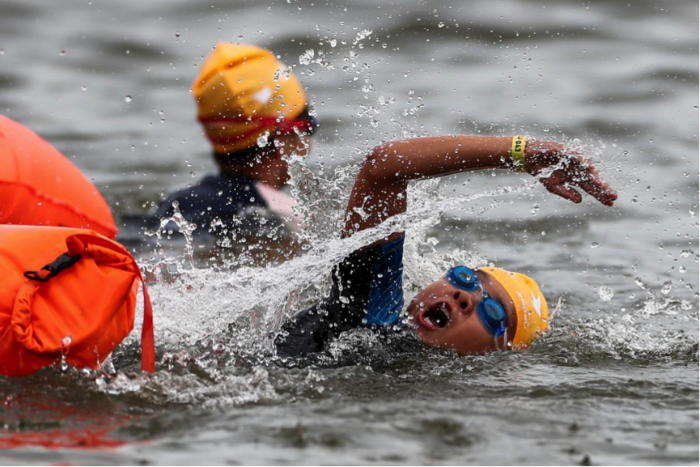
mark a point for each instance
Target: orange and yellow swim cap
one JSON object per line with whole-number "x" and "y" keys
{"x": 530, "y": 304}
{"x": 243, "y": 92}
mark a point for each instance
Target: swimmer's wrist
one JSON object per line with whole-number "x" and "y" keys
{"x": 542, "y": 154}
{"x": 518, "y": 148}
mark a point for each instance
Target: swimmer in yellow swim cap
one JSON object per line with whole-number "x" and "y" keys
{"x": 255, "y": 113}
{"x": 466, "y": 311}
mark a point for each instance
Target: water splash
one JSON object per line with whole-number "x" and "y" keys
{"x": 246, "y": 306}
{"x": 605, "y": 293}
{"x": 162, "y": 262}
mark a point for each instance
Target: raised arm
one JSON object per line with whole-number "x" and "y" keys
{"x": 380, "y": 187}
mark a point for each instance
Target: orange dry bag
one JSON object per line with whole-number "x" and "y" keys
{"x": 66, "y": 292}
{"x": 39, "y": 186}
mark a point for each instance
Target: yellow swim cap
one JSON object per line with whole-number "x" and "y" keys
{"x": 242, "y": 92}
{"x": 531, "y": 306}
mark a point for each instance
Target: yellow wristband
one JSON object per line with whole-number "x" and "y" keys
{"x": 517, "y": 152}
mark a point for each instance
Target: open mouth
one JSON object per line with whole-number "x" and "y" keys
{"x": 436, "y": 316}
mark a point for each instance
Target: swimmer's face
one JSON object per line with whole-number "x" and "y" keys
{"x": 293, "y": 144}
{"x": 287, "y": 145}
{"x": 446, "y": 316}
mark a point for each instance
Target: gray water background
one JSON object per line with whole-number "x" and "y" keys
{"x": 615, "y": 381}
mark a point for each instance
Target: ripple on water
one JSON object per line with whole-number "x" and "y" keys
{"x": 10, "y": 81}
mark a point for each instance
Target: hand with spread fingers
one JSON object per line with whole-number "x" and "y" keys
{"x": 570, "y": 170}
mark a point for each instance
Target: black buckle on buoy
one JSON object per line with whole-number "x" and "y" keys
{"x": 62, "y": 262}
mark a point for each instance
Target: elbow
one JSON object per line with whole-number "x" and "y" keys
{"x": 377, "y": 163}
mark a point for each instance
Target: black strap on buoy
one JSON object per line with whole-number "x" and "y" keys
{"x": 62, "y": 262}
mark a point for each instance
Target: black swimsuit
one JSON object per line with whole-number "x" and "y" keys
{"x": 219, "y": 198}
{"x": 367, "y": 291}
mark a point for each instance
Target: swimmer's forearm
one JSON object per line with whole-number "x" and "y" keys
{"x": 420, "y": 158}
{"x": 380, "y": 188}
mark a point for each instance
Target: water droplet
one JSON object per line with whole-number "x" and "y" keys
{"x": 65, "y": 342}
{"x": 667, "y": 287}
{"x": 63, "y": 52}
{"x": 686, "y": 253}
{"x": 263, "y": 139}
{"x": 682, "y": 269}
{"x": 594, "y": 245}
{"x": 84, "y": 88}
{"x": 605, "y": 293}
{"x": 362, "y": 35}
{"x": 640, "y": 283}
{"x": 534, "y": 209}
{"x": 128, "y": 99}
{"x": 177, "y": 34}
{"x": 306, "y": 57}
{"x": 441, "y": 24}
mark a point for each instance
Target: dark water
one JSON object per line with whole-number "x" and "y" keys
{"x": 616, "y": 380}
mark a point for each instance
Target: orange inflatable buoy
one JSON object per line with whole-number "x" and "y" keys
{"x": 40, "y": 186}
{"x": 66, "y": 293}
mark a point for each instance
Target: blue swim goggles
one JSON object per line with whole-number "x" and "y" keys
{"x": 492, "y": 313}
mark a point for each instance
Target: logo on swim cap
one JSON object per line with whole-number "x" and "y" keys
{"x": 263, "y": 96}
{"x": 537, "y": 303}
